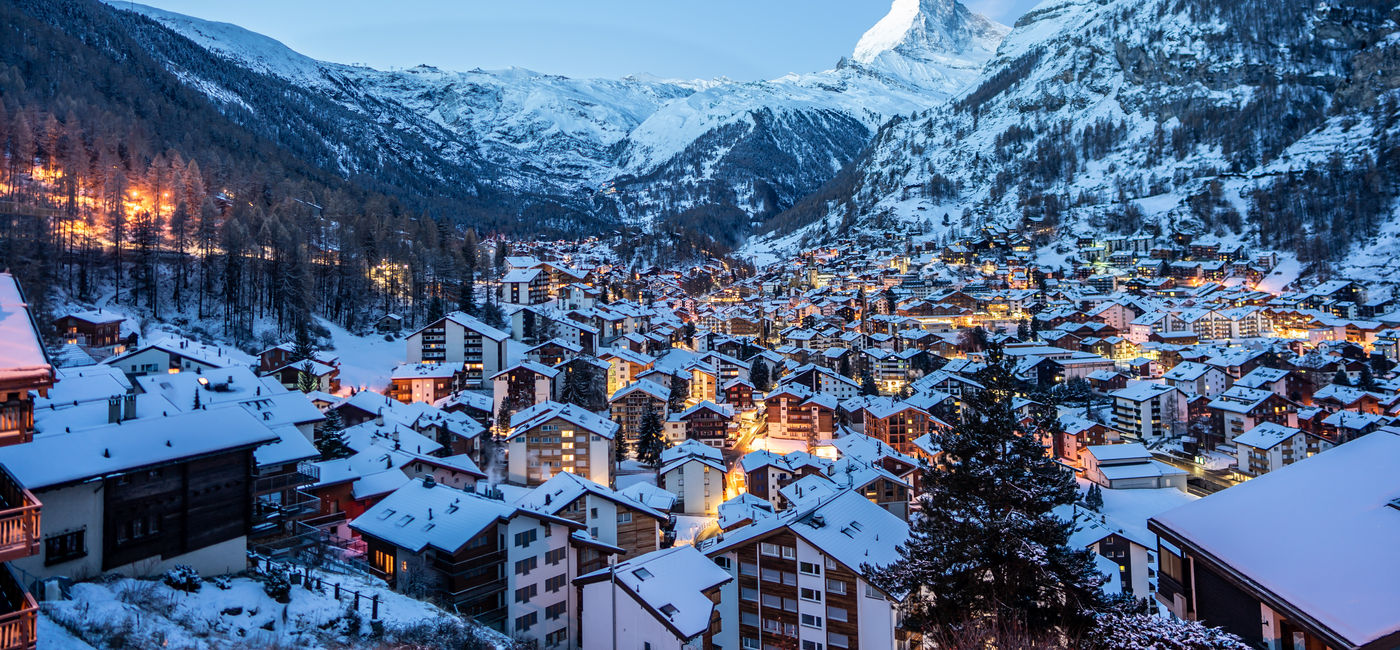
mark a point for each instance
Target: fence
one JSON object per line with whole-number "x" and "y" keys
{"x": 306, "y": 577}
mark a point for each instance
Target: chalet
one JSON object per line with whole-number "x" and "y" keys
{"x": 1240, "y": 409}
{"x": 141, "y": 496}
{"x": 709, "y": 423}
{"x": 1222, "y": 561}
{"x": 1147, "y": 410}
{"x": 1270, "y": 446}
{"x": 522, "y": 386}
{"x": 664, "y": 600}
{"x": 458, "y": 338}
{"x": 628, "y": 406}
{"x": 507, "y": 567}
{"x": 606, "y": 515}
{"x": 807, "y": 556}
{"x": 624, "y": 366}
{"x": 767, "y": 473}
{"x": 1197, "y": 379}
{"x": 1128, "y": 466}
{"x": 90, "y": 328}
{"x": 695, "y": 473}
{"x": 795, "y": 413}
{"x": 552, "y": 438}
{"x": 25, "y": 368}
{"x": 738, "y": 394}
{"x": 425, "y": 382}
{"x": 525, "y": 287}
{"x": 172, "y": 355}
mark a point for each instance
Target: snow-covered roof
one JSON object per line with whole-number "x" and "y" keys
{"x": 645, "y": 385}
{"x": 418, "y": 515}
{"x": 1269, "y": 530}
{"x": 1266, "y": 435}
{"x": 22, "y": 355}
{"x": 59, "y": 458}
{"x": 671, "y": 584}
{"x": 1141, "y": 391}
{"x": 576, "y": 415}
{"x": 1119, "y": 452}
{"x": 564, "y": 488}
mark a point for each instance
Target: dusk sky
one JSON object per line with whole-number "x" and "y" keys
{"x": 740, "y": 39}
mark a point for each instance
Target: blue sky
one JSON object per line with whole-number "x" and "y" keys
{"x": 740, "y": 39}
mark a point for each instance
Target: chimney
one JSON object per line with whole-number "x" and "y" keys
{"x": 114, "y": 409}
{"x": 129, "y": 407}
{"x": 427, "y": 483}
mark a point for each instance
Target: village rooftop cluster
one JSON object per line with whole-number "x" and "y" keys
{"x": 713, "y": 457}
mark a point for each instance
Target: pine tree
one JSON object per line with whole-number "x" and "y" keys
{"x": 304, "y": 346}
{"x": 680, "y": 389}
{"x": 331, "y": 442}
{"x": 306, "y": 378}
{"x": 759, "y": 376}
{"x": 620, "y": 447}
{"x": 1023, "y": 330}
{"x": 1341, "y": 378}
{"x": 1094, "y": 498}
{"x": 434, "y": 310}
{"x": 1368, "y": 378}
{"x": 650, "y": 442}
{"x": 576, "y": 384}
{"x": 987, "y": 546}
{"x": 867, "y": 384}
{"x": 844, "y": 368}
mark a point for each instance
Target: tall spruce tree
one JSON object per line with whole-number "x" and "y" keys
{"x": 760, "y": 377}
{"x": 306, "y": 378}
{"x": 331, "y": 441}
{"x": 986, "y": 547}
{"x": 867, "y": 384}
{"x": 650, "y": 442}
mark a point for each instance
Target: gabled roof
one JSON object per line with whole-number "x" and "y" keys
{"x": 670, "y": 584}
{"x": 418, "y": 515}
{"x": 645, "y": 385}
{"x": 564, "y": 488}
{"x": 573, "y": 414}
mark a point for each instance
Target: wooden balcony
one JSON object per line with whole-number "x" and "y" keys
{"x": 19, "y": 521}
{"x": 19, "y": 614}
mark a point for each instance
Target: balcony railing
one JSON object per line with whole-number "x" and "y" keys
{"x": 305, "y": 474}
{"x": 19, "y": 520}
{"x": 19, "y": 614}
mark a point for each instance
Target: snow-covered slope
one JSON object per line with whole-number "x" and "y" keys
{"x": 638, "y": 146}
{"x": 1226, "y": 118}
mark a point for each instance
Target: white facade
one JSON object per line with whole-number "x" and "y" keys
{"x": 698, "y": 486}
{"x": 547, "y": 613}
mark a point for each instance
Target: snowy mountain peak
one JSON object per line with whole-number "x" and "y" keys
{"x": 923, "y": 41}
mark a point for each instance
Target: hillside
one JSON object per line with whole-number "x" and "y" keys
{"x": 1265, "y": 121}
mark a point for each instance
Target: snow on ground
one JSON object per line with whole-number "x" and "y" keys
{"x": 1129, "y": 510}
{"x": 147, "y": 613}
{"x": 631, "y": 472}
{"x": 777, "y": 445}
{"x": 1282, "y": 275}
{"x": 365, "y": 361}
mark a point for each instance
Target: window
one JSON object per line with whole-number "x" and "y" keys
{"x": 524, "y": 594}
{"x": 835, "y": 586}
{"x": 809, "y": 568}
{"x": 872, "y": 592}
{"x": 811, "y": 645}
{"x": 837, "y": 614}
{"x": 809, "y": 620}
{"x": 789, "y": 553}
{"x": 555, "y": 611}
{"x": 770, "y": 550}
{"x": 722, "y": 561}
{"x": 838, "y": 640}
{"x": 748, "y": 618}
{"x": 748, "y": 569}
{"x": 748, "y": 593}
{"x": 556, "y": 555}
{"x": 526, "y": 565}
{"x": 556, "y": 583}
{"x": 749, "y": 643}
{"x": 556, "y": 638}
{"x": 810, "y": 595}
{"x": 526, "y": 538}
{"x": 65, "y": 546}
{"x": 624, "y": 517}
{"x": 527, "y": 621}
